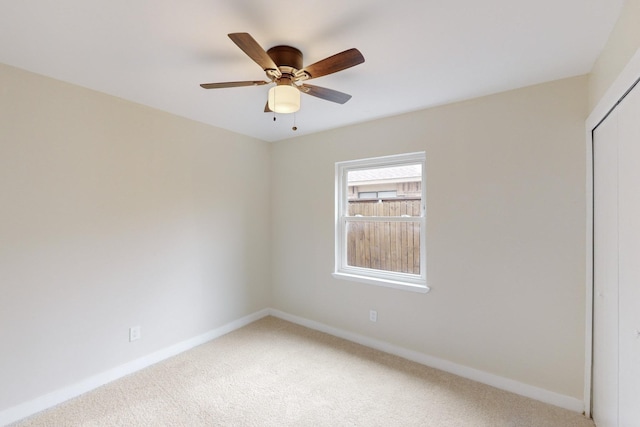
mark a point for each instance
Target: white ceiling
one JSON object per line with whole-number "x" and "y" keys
{"x": 419, "y": 53}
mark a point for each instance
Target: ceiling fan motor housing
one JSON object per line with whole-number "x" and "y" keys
{"x": 286, "y": 56}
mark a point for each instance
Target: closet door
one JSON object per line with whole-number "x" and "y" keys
{"x": 605, "y": 273}
{"x": 616, "y": 287}
{"x": 629, "y": 258}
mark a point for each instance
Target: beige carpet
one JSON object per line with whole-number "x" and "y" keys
{"x": 274, "y": 373}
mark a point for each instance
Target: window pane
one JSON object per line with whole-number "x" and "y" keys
{"x": 407, "y": 173}
{"x": 379, "y": 184}
{"x": 389, "y": 246}
{"x": 396, "y": 207}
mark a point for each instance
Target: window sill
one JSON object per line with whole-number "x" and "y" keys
{"x": 412, "y": 287}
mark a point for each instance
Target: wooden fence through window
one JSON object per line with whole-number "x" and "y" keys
{"x": 386, "y": 245}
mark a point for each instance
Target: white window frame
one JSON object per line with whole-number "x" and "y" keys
{"x": 406, "y": 281}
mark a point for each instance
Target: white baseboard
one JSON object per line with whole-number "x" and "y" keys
{"x": 496, "y": 381}
{"x": 41, "y": 403}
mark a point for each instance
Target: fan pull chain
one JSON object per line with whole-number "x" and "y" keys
{"x": 294, "y": 128}
{"x": 274, "y": 105}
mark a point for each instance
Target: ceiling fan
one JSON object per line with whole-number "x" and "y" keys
{"x": 283, "y": 66}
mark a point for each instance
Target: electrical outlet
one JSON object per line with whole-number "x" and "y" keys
{"x": 373, "y": 315}
{"x": 134, "y": 333}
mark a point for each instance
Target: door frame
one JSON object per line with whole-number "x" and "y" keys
{"x": 616, "y": 92}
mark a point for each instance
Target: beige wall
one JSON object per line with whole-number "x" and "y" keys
{"x": 114, "y": 215}
{"x": 621, "y": 46}
{"x": 506, "y": 241}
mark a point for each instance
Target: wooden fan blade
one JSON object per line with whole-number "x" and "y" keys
{"x": 333, "y": 64}
{"x": 266, "y": 108}
{"x": 253, "y": 50}
{"x": 232, "y": 84}
{"x": 324, "y": 93}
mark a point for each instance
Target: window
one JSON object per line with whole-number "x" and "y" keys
{"x": 368, "y": 195}
{"x": 381, "y": 221}
{"x": 377, "y": 194}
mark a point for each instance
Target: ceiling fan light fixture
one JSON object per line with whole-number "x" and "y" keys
{"x": 284, "y": 99}
{"x": 283, "y": 66}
